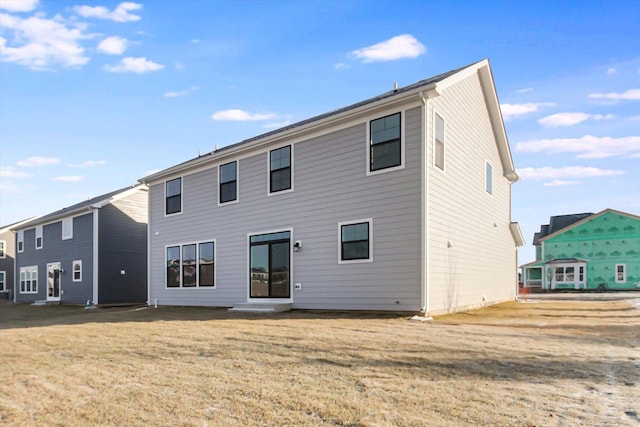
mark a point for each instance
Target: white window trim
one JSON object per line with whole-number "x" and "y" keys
{"x": 488, "y": 163}
{"x": 248, "y": 268}
{"x": 69, "y": 235}
{"x": 402, "y": 142}
{"x": 39, "y": 234}
{"x": 28, "y": 270}
{"x": 231, "y": 202}
{"x": 164, "y": 197}
{"x": 73, "y": 271}
{"x": 434, "y": 133}
{"x": 3, "y": 282}
{"x": 3, "y": 244}
{"x": 355, "y": 261}
{"x": 20, "y": 241}
{"x": 197, "y": 286}
{"x": 276, "y": 193}
{"x": 624, "y": 273}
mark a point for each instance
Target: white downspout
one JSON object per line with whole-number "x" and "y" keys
{"x": 424, "y": 208}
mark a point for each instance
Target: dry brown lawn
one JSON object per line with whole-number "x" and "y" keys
{"x": 560, "y": 363}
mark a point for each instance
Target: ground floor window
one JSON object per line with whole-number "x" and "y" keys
{"x": 3, "y": 281}
{"x": 77, "y": 271}
{"x": 621, "y": 273}
{"x": 29, "y": 280}
{"x": 565, "y": 274}
{"x": 191, "y": 265}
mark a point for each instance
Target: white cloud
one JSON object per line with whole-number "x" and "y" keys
{"x": 241, "y": 116}
{"x": 570, "y": 119}
{"x": 635, "y": 118}
{"x": 525, "y": 90}
{"x": 18, "y": 5}
{"x": 88, "y": 164}
{"x": 560, "y": 183}
{"x": 398, "y": 47}
{"x": 40, "y": 43}
{"x": 628, "y": 95}
{"x": 69, "y": 178}
{"x": 514, "y": 110}
{"x": 113, "y": 45}
{"x": 181, "y": 92}
{"x": 277, "y": 124}
{"x": 342, "y": 66}
{"x": 120, "y": 14}
{"x": 134, "y": 65}
{"x": 38, "y": 161}
{"x": 195, "y": 41}
{"x": 611, "y": 71}
{"x": 11, "y": 172}
{"x": 586, "y": 147}
{"x": 566, "y": 174}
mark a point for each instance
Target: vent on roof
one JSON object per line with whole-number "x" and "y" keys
{"x": 395, "y": 86}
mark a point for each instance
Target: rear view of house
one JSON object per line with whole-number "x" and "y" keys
{"x": 398, "y": 202}
{"x": 587, "y": 251}
{"x": 7, "y": 259}
{"x": 94, "y": 251}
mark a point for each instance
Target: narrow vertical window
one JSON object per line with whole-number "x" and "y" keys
{"x": 173, "y": 196}
{"x": 621, "y": 273}
{"x": 39, "y": 237}
{"x": 67, "y": 228}
{"x": 77, "y": 271}
{"x": 355, "y": 241}
{"x": 385, "y": 149}
{"x": 188, "y": 265}
{"x": 3, "y": 281}
{"x": 20, "y": 241}
{"x": 3, "y": 249}
{"x": 206, "y": 264}
{"x": 488, "y": 179}
{"x": 228, "y": 190}
{"x": 173, "y": 267}
{"x": 439, "y": 143}
{"x": 280, "y": 169}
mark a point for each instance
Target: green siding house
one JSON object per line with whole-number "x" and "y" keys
{"x": 586, "y": 251}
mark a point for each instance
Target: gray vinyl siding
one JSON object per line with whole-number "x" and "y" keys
{"x": 330, "y": 186}
{"x": 6, "y": 263}
{"x": 122, "y": 245}
{"x": 54, "y": 249}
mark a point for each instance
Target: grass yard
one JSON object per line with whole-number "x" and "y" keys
{"x": 537, "y": 363}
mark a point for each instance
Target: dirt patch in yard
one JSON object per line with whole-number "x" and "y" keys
{"x": 522, "y": 363}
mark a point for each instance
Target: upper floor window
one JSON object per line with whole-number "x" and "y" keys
{"x": 488, "y": 178}
{"x": 20, "y": 236}
{"x": 621, "y": 273}
{"x": 173, "y": 196}
{"x": 67, "y": 228}
{"x": 77, "y": 271}
{"x": 280, "y": 169}
{"x": 3, "y": 248}
{"x": 439, "y": 143}
{"x": 385, "y": 143}
{"x": 228, "y": 191}
{"x": 39, "y": 237}
{"x": 355, "y": 241}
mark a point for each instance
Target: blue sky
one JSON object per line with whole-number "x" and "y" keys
{"x": 97, "y": 94}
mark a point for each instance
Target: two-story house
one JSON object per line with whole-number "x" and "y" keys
{"x": 586, "y": 251}
{"x": 7, "y": 258}
{"x": 398, "y": 202}
{"x": 92, "y": 252}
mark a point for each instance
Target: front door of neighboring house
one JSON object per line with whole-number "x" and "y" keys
{"x": 270, "y": 265}
{"x": 53, "y": 281}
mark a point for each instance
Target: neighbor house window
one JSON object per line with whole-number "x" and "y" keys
{"x": 39, "y": 237}
{"x": 488, "y": 178}
{"x": 355, "y": 241}
{"x": 67, "y": 228}
{"x": 385, "y": 143}
{"x": 439, "y": 143}
{"x": 29, "y": 280}
{"x": 280, "y": 169}
{"x": 3, "y": 248}
{"x": 228, "y": 190}
{"x": 621, "y": 273}
{"x": 3, "y": 281}
{"x": 20, "y": 241}
{"x": 191, "y": 265}
{"x": 173, "y": 199}
{"x": 565, "y": 274}
{"x": 77, "y": 271}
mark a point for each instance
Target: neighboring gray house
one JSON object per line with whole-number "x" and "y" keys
{"x": 399, "y": 202}
{"x": 7, "y": 259}
{"x": 93, "y": 251}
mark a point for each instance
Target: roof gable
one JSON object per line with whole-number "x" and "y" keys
{"x": 604, "y": 224}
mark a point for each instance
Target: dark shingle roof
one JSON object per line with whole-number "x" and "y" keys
{"x": 557, "y": 223}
